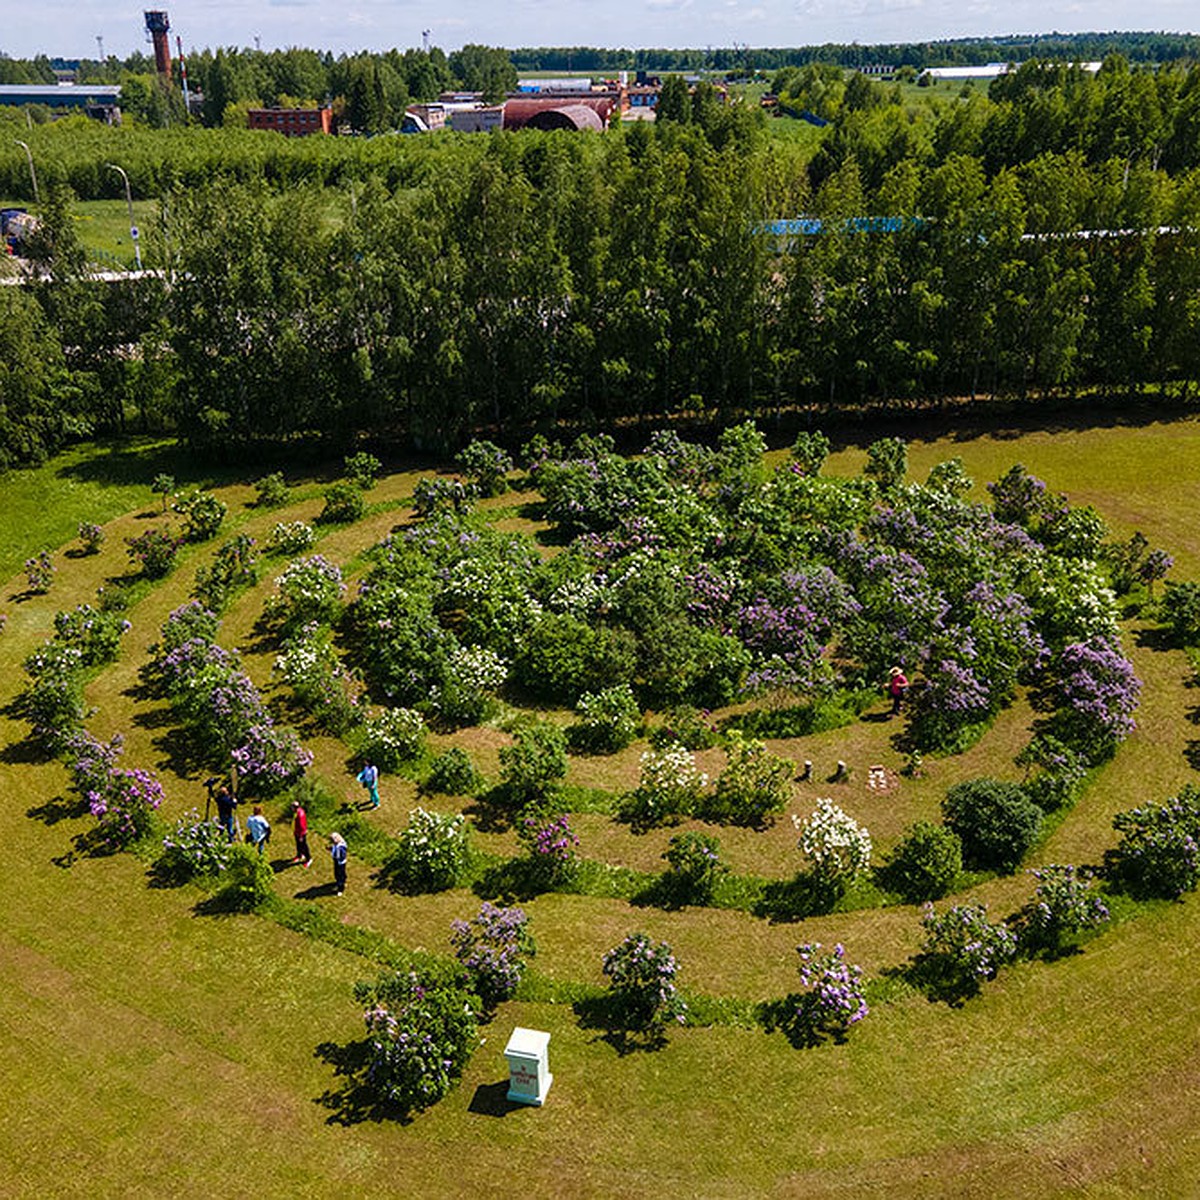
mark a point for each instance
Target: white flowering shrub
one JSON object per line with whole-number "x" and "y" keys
{"x": 310, "y": 589}
{"x": 472, "y": 673}
{"x": 394, "y": 737}
{"x": 671, "y": 785}
{"x": 834, "y": 842}
{"x": 433, "y": 852}
{"x": 290, "y": 537}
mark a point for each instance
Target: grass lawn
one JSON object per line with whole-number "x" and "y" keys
{"x": 145, "y": 1046}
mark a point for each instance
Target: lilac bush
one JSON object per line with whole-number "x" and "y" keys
{"x": 838, "y": 848}
{"x": 95, "y": 633}
{"x": 422, "y": 1033}
{"x": 195, "y": 847}
{"x": 123, "y": 801}
{"x": 696, "y": 865}
{"x": 1097, "y": 695}
{"x": 1064, "y": 906}
{"x": 641, "y": 976}
{"x": 52, "y": 701}
{"x": 833, "y": 997}
{"x": 671, "y": 786}
{"x": 39, "y": 572}
{"x": 269, "y": 759}
{"x": 962, "y": 948}
{"x": 91, "y": 536}
{"x": 432, "y": 852}
{"x": 1159, "y": 850}
{"x": 154, "y": 551}
{"x": 310, "y": 589}
{"x": 551, "y": 846}
{"x": 495, "y": 947}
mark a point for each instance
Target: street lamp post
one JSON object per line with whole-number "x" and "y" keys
{"x": 133, "y": 229}
{"x": 32, "y": 173}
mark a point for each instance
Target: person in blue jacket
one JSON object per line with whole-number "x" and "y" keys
{"x": 369, "y": 778}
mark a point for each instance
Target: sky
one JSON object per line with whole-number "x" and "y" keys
{"x": 69, "y": 28}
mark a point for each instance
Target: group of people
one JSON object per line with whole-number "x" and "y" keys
{"x": 258, "y": 828}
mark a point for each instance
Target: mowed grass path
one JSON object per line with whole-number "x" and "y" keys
{"x": 144, "y": 1048}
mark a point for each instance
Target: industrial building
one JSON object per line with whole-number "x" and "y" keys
{"x": 100, "y": 101}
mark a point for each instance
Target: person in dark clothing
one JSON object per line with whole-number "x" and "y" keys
{"x": 226, "y": 803}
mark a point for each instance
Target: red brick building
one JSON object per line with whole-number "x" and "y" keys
{"x": 292, "y": 122}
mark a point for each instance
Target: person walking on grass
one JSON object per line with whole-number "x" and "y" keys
{"x": 897, "y": 687}
{"x": 258, "y": 829}
{"x": 338, "y": 852}
{"x": 369, "y": 778}
{"x": 300, "y": 833}
{"x": 226, "y": 803}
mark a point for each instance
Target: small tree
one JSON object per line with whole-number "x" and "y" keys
{"x": 164, "y": 486}
{"x": 272, "y": 491}
{"x": 996, "y": 821}
{"x": 344, "y": 504}
{"x": 203, "y": 514}
{"x": 486, "y": 465}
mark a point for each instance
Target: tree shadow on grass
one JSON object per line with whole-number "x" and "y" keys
{"x": 937, "y": 979}
{"x": 512, "y": 880}
{"x": 604, "y": 1013}
{"x": 492, "y": 811}
{"x": 786, "y": 900}
{"x": 784, "y": 1016}
{"x": 59, "y": 808}
{"x": 350, "y": 1101}
{"x": 667, "y": 891}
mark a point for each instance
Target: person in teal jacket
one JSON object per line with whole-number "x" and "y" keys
{"x": 369, "y": 778}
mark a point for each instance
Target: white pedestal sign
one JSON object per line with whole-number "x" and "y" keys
{"x": 528, "y": 1054}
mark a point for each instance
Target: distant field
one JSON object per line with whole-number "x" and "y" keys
{"x": 103, "y": 228}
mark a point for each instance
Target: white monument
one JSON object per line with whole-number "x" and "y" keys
{"x": 528, "y": 1054}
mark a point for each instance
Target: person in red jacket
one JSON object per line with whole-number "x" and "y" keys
{"x": 300, "y": 833}
{"x": 897, "y": 686}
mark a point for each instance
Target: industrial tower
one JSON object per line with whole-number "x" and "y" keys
{"x": 157, "y": 25}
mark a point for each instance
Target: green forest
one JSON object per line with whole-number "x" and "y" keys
{"x": 1041, "y": 242}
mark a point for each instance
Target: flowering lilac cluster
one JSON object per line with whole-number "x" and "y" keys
{"x": 1097, "y": 694}
{"x": 833, "y": 999}
{"x": 122, "y": 801}
{"x": 713, "y": 591}
{"x": 97, "y": 634}
{"x": 836, "y": 845}
{"x": 696, "y": 864}
{"x": 964, "y": 943}
{"x": 422, "y": 1035}
{"x": 432, "y": 851}
{"x": 311, "y": 667}
{"x": 1064, "y": 905}
{"x": 309, "y": 589}
{"x": 632, "y": 533}
{"x": 52, "y": 701}
{"x": 1018, "y": 497}
{"x": 642, "y": 975}
{"x": 222, "y": 705}
{"x": 196, "y": 847}
{"x": 494, "y": 947}
{"x": 92, "y": 537}
{"x": 1159, "y": 850}
{"x": 39, "y": 572}
{"x": 551, "y": 844}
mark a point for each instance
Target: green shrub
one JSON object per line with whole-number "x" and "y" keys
{"x": 249, "y": 879}
{"x": 997, "y": 822}
{"x": 164, "y": 486}
{"x": 563, "y": 656}
{"x": 887, "y": 462}
{"x": 453, "y": 773}
{"x": 196, "y": 847}
{"x": 810, "y": 450}
{"x": 685, "y": 726}
{"x": 1064, "y": 907}
{"x": 272, "y": 491}
{"x": 754, "y": 787}
{"x": 609, "y": 720}
{"x": 696, "y": 865}
{"x": 1181, "y": 611}
{"x": 925, "y": 864}
{"x": 362, "y": 470}
{"x": 344, "y": 504}
{"x": 641, "y": 975}
{"x": 534, "y": 763}
{"x": 92, "y": 537}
